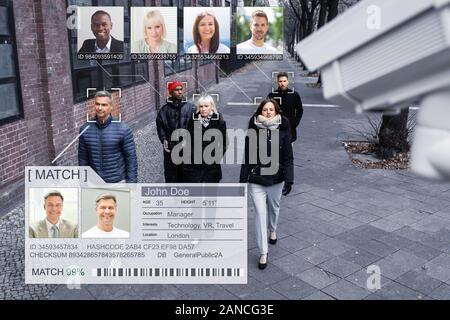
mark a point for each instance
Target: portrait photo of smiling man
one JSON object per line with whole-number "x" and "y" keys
{"x": 56, "y": 224}
{"x": 102, "y": 25}
{"x": 259, "y": 31}
{"x": 106, "y": 215}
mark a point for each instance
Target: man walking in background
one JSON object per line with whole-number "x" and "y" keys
{"x": 290, "y": 103}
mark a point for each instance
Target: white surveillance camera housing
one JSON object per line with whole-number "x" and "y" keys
{"x": 399, "y": 59}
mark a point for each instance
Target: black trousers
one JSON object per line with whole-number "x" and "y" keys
{"x": 172, "y": 172}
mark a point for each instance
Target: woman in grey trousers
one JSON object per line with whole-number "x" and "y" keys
{"x": 267, "y": 181}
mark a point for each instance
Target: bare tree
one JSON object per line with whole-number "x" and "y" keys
{"x": 332, "y": 9}
{"x": 303, "y": 17}
{"x": 291, "y": 25}
{"x": 256, "y": 3}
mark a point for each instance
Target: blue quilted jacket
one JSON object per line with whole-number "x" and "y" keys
{"x": 109, "y": 150}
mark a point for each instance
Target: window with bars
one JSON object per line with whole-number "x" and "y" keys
{"x": 10, "y": 93}
{"x": 102, "y": 74}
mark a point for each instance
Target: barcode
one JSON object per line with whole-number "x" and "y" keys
{"x": 168, "y": 272}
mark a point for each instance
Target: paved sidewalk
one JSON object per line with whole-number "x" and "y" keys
{"x": 337, "y": 221}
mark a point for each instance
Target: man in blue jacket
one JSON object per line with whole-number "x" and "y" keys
{"x": 108, "y": 146}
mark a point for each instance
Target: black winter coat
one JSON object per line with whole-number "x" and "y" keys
{"x": 171, "y": 117}
{"x": 205, "y": 173}
{"x": 291, "y": 106}
{"x": 109, "y": 150}
{"x": 286, "y": 159}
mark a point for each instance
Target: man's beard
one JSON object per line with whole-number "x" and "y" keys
{"x": 177, "y": 100}
{"x": 259, "y": 36}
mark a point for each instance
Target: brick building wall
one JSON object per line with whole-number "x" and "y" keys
{"x": 51, "y": 118}
{"x": 27, "y": 140}
{"x": 207, "y": 74}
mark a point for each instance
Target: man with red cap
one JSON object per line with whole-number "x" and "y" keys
{"x": 175, "y": 114}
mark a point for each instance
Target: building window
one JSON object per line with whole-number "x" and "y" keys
{"x": 181, "y": 63}
{"x": 10, "y": 94}
{"x": 106, "y": 74}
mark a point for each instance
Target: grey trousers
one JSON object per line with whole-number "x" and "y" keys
{"x": 267, "y": 207}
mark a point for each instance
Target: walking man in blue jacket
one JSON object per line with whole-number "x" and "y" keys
{"x": 108, "y": 146}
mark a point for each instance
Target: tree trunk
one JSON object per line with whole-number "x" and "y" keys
{"x": 299, "y": 36}
{"x": 294, "y": 9}
{"x": 310, "y": 25}
{"x": 393, "y": 135}
{"x": 293, "y": 38}
{"x": 304, "y": 20}
{"x": 322, "y": 14}
{"x": 332, "y": 9}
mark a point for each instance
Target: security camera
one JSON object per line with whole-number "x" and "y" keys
{"x": 384, "y": 55}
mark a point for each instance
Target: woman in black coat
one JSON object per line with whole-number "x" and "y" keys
{"x": 204, "y": 121}
{"x": 268, "y": 127}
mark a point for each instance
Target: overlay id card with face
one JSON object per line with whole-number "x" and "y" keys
{"x": 80, "y": 230}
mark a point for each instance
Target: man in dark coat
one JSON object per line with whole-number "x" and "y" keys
{"x": 289, "y": 101}
{"x": 108, "y": 146}
{"x": 175, "y": 114}
{"x": 101, "y": 26}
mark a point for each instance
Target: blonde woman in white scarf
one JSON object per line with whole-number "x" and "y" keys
{"x": 266, "y": 189}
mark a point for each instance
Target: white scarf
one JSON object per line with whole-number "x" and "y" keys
{"x": 270, "y": 124}
{"x": 205, "y": 121}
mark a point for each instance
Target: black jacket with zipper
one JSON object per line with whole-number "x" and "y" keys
{"x": 286, "y": 159}
{"x": 109, "y": 149}
{"x": 171, "y": 117}
{"x": 292, "y": 107}
{"x": 203, "y": 172}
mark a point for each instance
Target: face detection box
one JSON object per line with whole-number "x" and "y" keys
{"x": 80, "y": 230}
